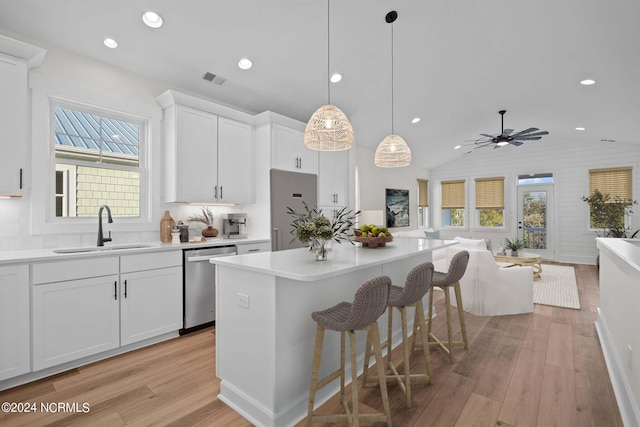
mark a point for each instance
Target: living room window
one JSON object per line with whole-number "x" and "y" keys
{"x": 423, "y": 203}
{"x": 453, "y": 203}
{"x": 615, "y": 185}
{"x": 490, "y": 202}
{"x": 97, "y": 156}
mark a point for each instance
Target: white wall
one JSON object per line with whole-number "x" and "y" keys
{"x": 76, "y": 78}
{"x": 568, "y": 161}
{"x": 374, "y": 180}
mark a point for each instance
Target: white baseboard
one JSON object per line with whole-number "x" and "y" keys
{"x": 624, "y": 395}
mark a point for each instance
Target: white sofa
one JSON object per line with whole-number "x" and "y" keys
{"x": 487, "y": 289}
{"x": 439, "y": 257}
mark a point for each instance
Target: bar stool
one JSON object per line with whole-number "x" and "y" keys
{"x": 368, "y": 305}
{"x": 416, "y": 287}
{"x": 445, "y": 281}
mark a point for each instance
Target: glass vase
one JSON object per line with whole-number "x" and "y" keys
{"x": 321, "y": 248}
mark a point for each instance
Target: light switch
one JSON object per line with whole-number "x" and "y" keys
{"x": 242, "y": 300}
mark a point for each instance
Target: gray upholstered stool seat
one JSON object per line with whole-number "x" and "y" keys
{"x": 416, "y": 287}
{"x": 368, "y": 305}
{"x": 450, "y": 279}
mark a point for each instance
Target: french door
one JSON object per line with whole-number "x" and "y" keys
{"x": 535, "y": 219}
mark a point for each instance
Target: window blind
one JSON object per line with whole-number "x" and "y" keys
{"x": 453, "y": 194}
{"x": 490, "y": 193}
{"x": 423, "y": 193}
{"x": 617, "y": 182}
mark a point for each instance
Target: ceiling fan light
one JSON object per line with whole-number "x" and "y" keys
{"x": 502, "y": 143}
{"x": 392, "y": 152}
{"x": 328, "y": 129}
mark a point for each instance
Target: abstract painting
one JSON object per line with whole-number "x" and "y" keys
{"x": 397, "y": 207}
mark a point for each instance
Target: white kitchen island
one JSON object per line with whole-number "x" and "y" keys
{"x": 264, "y": 331}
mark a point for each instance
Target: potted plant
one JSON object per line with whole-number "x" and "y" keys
{"x": 206, "y": 218}
{"x": 514, "y": 245}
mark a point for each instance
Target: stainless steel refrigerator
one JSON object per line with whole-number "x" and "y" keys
{"x": 289, "y": 189}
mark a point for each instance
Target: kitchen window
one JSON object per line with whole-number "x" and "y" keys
{"x": 616, "y": 186}
{"x": 98, "y": 160}
{"x": 490, "y": 202}
{"x": 423, "y": 203}
{"x": 453, "y": 203}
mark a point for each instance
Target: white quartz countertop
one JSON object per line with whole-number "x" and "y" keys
{"x": 628, "y": 250}
{"x": 30, "y": 255}
{"x": 300, "y": 264}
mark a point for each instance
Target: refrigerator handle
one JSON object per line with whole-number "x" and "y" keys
{"x": 275, "y": 239}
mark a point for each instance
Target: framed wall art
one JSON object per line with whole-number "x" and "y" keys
{"x": 397, "y": 208}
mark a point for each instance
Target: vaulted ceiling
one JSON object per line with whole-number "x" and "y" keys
{"x": 456, "y": 64}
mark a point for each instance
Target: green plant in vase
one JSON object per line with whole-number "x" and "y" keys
{"x": 514, "y": 245}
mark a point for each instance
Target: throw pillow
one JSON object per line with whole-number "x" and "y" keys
{"x": 432, "y": 234}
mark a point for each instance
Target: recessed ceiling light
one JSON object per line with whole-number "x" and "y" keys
{"x": 110, "y": 43}
{"x": 245, "y": 63}
{"x": 457, "y": 147}
{"x": 152, "y": 19}
{"x": 415, "y": 120}
{"x": 587, "y": 82}
{"x": 580, "y": 128}
{"x": 335, "y": 77}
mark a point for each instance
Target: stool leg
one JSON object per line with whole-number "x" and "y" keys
{"x": 354, "y": 379}
{"x": 425, "y": 338}
{"x": 405, "y": 350}
{"x": 381, "y": 376}
{"x": 342, "y": 364}
{"x": 430, "y": 308}
{"x": 367, "y": 359}
{"x": 317, "y": 352}
{"x": 447, "y": 302}
{"x": 463, "y": 327}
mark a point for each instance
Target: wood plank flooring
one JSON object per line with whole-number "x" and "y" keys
{"x": 540, "y": 369}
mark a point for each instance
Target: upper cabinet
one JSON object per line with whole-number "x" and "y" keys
{"x": 289, "y": 152}
{"x": 209, "y": 151}
{"x": 333, "y": 178}
{"x": 16, "y": 58}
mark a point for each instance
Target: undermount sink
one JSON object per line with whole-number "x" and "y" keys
{"x": 101, "y": 248}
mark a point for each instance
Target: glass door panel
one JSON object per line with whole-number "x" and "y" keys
{"x": 535, "y": 219}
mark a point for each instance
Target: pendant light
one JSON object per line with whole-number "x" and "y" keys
{"x": 393, "y": 151}
{"x": 328, "y": 128}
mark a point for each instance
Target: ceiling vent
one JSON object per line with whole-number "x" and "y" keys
{"x": 210, "y": 77}
{"x": 607, "y": 140}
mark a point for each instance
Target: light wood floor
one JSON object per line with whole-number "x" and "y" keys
{"x": 540, "y": 369}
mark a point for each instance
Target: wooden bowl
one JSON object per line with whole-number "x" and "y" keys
{"x": 373, "y": 242}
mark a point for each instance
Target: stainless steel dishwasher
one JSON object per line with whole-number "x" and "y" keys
{"x": 199, "y": 285}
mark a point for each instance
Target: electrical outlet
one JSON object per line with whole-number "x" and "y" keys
{"x": 242, "y": 300}
{"x": 630, "y": 357}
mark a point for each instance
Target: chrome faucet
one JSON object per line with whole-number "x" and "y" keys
{"x": 101, "y": 238}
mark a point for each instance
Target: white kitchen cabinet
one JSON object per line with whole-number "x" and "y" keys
{"x": 251, "y": 248}
{"x": 289, "y": 152}
{"x": 150, "y": 295}
{"x": 151, "y": 303}
{"x": 13, "y": 122}
{"x": 74, "y": 319}
{"x": 208, "y": 156}
{"x": 14, "y": 321}
{"x": 235, "y": 162}
{"x": 333, "y": 178}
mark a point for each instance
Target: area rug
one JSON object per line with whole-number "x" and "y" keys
{"x": 557, "y": 287}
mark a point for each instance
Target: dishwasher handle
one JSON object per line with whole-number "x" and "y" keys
{"x": 208, "y": 257}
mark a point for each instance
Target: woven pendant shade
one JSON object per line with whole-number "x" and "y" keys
{"x": 328, "y": 129}
{"x": 392, "y": 152}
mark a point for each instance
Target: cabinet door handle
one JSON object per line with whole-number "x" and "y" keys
{"x": 300, "y": 162}
{"x": 254, "y": 250}
{"x": 125, "y": 288}
{"x": 115, "y": 290}
{"x": 21, "y": 178}
{"x": 221, "y": 191}
{"x": 297, "y": 162}
{"x": 215, "y": 193}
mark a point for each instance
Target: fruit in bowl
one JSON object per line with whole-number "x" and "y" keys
{"x": 372, "y": 236}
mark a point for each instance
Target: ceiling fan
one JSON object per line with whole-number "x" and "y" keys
{"x": 506, "y": 137}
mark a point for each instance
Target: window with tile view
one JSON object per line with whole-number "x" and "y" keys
{"x": 453, "y": 203}
{"x": 490, "y": 202}
{"x": 97, "y": 162}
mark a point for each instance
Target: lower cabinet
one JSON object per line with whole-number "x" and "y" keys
{"x": 14, "y": 321}
{"x": 74, "y": 319}
{"x": 150, "y": 304}
{"x": 250, "y": 248}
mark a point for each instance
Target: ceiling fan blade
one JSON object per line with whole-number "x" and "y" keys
{"x": 524, "y": 131}
{"x": 541, "y": 133}
{"x": 528, "y": 138}
{"x": 488, "y": 136}
{"x": 516, "y": 143}
{"x": 507, "y": 132}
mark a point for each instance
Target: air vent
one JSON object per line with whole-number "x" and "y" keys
{"x": 210, "y": 77}
{"x": 607, "y": 140}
